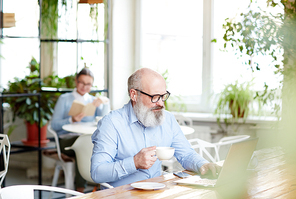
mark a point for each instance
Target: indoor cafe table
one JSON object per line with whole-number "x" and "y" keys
{"x": 81, "y": 127}
{"x": 273, "y": 177}
{"x": 90, "y": 127}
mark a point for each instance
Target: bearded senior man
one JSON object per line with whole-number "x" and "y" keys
{"x": 126, "y": 139}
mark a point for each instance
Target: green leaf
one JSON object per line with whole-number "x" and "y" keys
{"x": 20, "y": 99}
{"x": 10, "y": 129}
{"x": 28, "y": 101}
{"x": 214, "y": 40}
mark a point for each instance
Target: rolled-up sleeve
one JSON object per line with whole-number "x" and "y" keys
{"x": 184, "y": 153}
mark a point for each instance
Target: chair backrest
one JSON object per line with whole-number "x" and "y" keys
{"x": 232, "y": 139}
{"x": 7, "y": 117}
{"x": 56, "y": 139}
{"x": 5, "y": 153}
{"x": 83, "y": 148}
{"x": 203, "y": 145}
{"x": 27, "y": 191}
{"x": 228, "y": 141}
{"x": 182, "y": 120}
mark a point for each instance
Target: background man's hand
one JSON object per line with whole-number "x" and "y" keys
{"x": 100, "y": 100}
{"x": 97, "y": 102}
{"x": 145, "y": 158}
{"x": 211, "y": 168}
{"x": 78, "y": 118}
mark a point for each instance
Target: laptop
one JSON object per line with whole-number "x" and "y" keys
{"x": 234, "y": 167}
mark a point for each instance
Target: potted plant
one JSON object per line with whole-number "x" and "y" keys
{"x": 27, "y": 108}
{"x": 234, "y": 103}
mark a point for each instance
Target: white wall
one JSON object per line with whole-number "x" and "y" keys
{"x": 122, "y": 50}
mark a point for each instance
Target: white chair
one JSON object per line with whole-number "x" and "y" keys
{"x": 5, "y": 151}
{"x": 63, "y": 162}
{"x": 184, "y": 121}
{"x": 7, "y": 116}
{"x": 27, "y": 191}
{"x": 203, "y": 146}
{"x": 83, "y": 149}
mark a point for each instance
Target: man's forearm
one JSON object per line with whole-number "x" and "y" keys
{"x": 112, "y": 171}
{"x": 193, "y": 162}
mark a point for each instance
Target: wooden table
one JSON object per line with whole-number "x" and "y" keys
{"x": 274, "y": 177}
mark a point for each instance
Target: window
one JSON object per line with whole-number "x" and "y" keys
{"x": 17, "y": 52}
{"x": 71, "y": 56}
{"x": 173, "y": 38}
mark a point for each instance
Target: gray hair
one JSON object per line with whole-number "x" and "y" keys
{"x": 134, "y": 81}
{"x": 85, "y": 71}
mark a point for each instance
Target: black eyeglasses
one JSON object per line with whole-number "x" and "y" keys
{"x": 84, "y": 84}
{"x": 155, "y": 98}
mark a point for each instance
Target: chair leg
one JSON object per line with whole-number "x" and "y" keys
{"x": 69, "y": 172}
{"x": 95, "y": 188}
{"x": 217, "y": 157}
{"x": 56, "y": 175}
{"x": 55, "y": 178}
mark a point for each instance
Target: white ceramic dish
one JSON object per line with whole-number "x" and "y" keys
{"x": 148, "y": 185}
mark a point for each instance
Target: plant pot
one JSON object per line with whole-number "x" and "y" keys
{"x": 32, "y": 135}
{"x": 240, "y": 114}
{"x": 91, "y": 1}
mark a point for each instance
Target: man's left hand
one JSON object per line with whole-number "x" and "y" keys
{"x": 214, "y": 168}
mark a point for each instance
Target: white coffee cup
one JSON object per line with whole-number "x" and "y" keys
{"x": 165, "y": 153}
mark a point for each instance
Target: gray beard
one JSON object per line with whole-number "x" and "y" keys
{"x": 146, "y": 115}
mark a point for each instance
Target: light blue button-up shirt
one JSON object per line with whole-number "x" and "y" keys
{"x": 120, "y": 136}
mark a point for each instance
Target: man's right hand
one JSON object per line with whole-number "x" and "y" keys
{"x": 145, "y": 158}
{"x": 211, "y": 169}
{"x": 78, "y": 118}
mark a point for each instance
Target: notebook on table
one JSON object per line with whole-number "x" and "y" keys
{"x": 234, "y": 166}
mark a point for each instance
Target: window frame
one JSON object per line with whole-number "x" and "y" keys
{"x": 204, "y": 106}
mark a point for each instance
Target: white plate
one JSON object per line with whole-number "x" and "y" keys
{"x": 148, "y": 185}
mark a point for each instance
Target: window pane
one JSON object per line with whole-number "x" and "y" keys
{"x": 91, "y": 27}
{"x": 17, "y": 54}
{"x": 93, "y": 57}
{"x": 26, "y": 17}
{"x": 172, "y": 40}
{"x": 85, "y": 21}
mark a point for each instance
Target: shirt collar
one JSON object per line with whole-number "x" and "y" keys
{"x": 131, "y": 113}
{"x": 81, "y": 98}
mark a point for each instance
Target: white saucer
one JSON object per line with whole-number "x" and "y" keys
{"x": 148, "y": 185}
